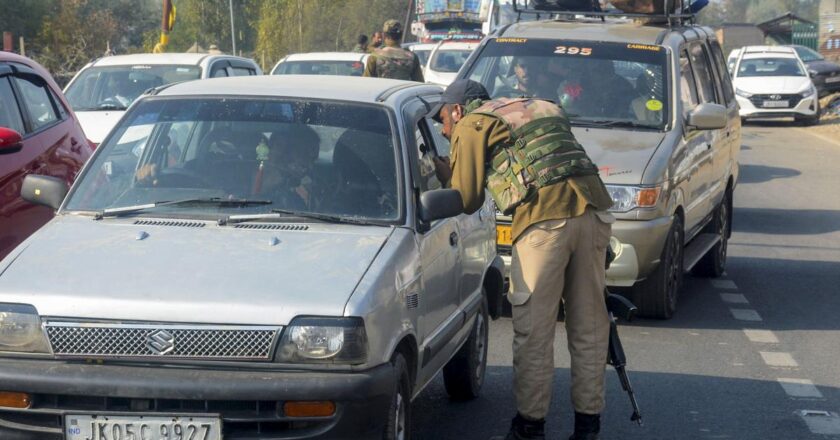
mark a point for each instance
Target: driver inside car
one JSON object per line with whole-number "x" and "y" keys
{"x": 287, "y": 177}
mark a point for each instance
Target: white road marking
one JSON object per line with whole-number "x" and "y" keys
{"x": 778, "y": 359}
{"x": 745, "y": 314}
{"x": 761, "y": 336}
{"x": 800, "y": 388}
{"x": 724, "y": 284}
{"x": 734, "y": 298}
{"x": 821, "y": 422}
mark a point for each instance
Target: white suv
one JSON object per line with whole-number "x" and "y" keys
{"x": 773, "y": 82}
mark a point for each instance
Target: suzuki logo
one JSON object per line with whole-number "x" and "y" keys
{"x": 160, "y": 342}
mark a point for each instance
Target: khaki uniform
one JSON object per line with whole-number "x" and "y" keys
{"x": 560, "y": 239}
{"x": 392, "y": 61}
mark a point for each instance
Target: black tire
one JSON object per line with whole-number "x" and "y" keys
{"x": 713, "y": 264}
{"x": 656, "y": 296}
{"x": 399, "y": 412}
{"x": 463, "y": 375}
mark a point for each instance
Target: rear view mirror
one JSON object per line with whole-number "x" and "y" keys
{"x": 10, "y": 141}
{"x": 708, "y": 117}
{"x": 439, "y": 204}
{"x": 43, "y": 190}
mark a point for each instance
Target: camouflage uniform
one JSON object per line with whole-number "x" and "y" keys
{"x": 560, "y": 237}
{"x": 392, "y": 61}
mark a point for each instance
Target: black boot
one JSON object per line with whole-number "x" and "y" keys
{"x": 524, "y": 429}
{"x": 587, "y": 427}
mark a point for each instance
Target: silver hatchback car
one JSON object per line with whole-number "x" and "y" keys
{"x": 249, "y": 258}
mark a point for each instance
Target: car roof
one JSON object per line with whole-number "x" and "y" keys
{"x": 343, "y": 88}
{"x": 156, "y": 59}
{"x": 612, "y": 31}
{"x": 769, "y": 49}
{"x": 325, "y": 56}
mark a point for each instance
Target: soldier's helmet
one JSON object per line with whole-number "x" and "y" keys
{"x": 393, "y": 27}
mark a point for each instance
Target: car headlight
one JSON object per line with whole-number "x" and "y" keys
{"x": 809, "y": 92}
{"x": 324, "y": 340}
{"x": 743, "y": 93}
{"x": 626, "y": 198}
{"x": 20, "y": 330}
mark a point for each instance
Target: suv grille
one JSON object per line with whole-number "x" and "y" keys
{"x": 162, "y": 341}
{"x": 758, "y": 100}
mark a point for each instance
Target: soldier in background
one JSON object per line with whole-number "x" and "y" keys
{"x": 376, "y": 42}
{"x": 391, "y": 60}
{"x": 361, "y": 44}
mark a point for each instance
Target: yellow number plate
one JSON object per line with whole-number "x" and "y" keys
{"x": 503, "y": 235}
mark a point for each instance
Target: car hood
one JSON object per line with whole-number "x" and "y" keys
{"x": 621, "y": 155}
{"x": 773, "y": 84}
{"x": 77, "y": 267}
{"x": 98, "y": 124}
{"x": 823, "y": 66}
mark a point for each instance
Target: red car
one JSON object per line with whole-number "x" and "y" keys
{"x": 39, "y": 134}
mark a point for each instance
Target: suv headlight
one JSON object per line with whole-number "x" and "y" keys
{"x": 324, "y": 341}
{"x": 626, "y": 198}
{"x": 20, "y": 330}
{"x": 743, "y": 93}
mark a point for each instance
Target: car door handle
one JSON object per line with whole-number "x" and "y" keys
{"x": 453, "y": 239}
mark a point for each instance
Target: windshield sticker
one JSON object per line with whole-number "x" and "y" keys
{"x": 183, "y": 70}
{"x": 141, "y": 67}
{"x": 612, "y": 171}
{"x": 644, "y": 47}
{"x": 572, "y": 50}
{"x": 511, "y": 40}
{"x": 654, "y": 105}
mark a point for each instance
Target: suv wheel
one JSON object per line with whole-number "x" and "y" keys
{"x": 714, "y": 262}
{"x": 657, "y": 295}
{"x": 463, "y": 375}
{"x": 399, "y": 413}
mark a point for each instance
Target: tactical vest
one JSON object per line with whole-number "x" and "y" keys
{"x": 541, "y": 151}
{"x": 394, "y": 63}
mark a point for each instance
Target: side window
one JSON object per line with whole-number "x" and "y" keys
{"x": 688, "y": 88}
{"x": 37, "y": 102}
{"x": 703, "y": 73}
{"x": 426, "y": 153}
{"x": 725, "y": 80}
{"x": 62, "y": 112}
{"x": 219, "y": 70}
{"x": 242, "y": 71}
{"x": 9, "y": 111}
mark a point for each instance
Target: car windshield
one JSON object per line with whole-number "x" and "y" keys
{"x": 342, "y": 68}
{"x": 807, "y": 55}
{"x": 770, "y": 67}
{"x": 116, "y": 87}
{"x": 423, "y": 55}
{"x": 252, "y": 155}
{"x": 449, "y": 60}
{"x": 608, "y": 83}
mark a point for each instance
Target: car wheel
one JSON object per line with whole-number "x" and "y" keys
{"x": 714, "y": 262}
{"x": 399, "y": 412}
{"x": 656, "y": 296}
{"x": 463, "y": 375}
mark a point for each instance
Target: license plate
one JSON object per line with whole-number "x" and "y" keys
{"x": 503, "y": 235}
{"x": 833, "y": 79}
{"x": 87, "y": 427}
{"x": 775, "y": 104}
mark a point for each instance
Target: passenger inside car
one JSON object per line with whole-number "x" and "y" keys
{"x": 287, "y": 178}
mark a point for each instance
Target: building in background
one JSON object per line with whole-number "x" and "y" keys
{"x": 829, "y": 40}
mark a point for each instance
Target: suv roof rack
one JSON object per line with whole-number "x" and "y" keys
{"x": 670, "y": 18}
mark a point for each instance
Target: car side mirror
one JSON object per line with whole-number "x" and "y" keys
{"x": 708, "y": 117}
{"x": 43, "y": 190}
{"x": 10, "y": 141}
{"x": 439, "y": 204}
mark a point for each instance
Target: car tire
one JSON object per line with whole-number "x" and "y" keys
{"x": 656, "y": 296}
{"x": 399, "y": 412}
{"x": 464, "y": 374}
{"x": 713, "y": 263}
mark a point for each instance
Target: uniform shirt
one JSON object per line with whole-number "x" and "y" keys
{"x": 471, "y": 139}
{"x": 370, "y": 66}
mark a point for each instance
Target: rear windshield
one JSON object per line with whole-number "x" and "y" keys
{"x": 449, "y": 60}
{"x": 770, "y": 67}
{"x": 116, "y": 87}
{"x": 342, "y": 68}
{"x": 604, "y": 82}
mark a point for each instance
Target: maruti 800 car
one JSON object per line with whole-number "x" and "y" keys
{"x": 243, "y": 258}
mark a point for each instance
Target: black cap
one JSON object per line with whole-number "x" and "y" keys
{"x": 462, "y": 92}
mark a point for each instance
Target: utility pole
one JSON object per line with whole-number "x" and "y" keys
{"x": 232, "y": 31}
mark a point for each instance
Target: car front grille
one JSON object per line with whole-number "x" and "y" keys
{"x": 161, "y": 341}
{"x": 758, "y": 100}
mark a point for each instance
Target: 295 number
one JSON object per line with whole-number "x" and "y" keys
{"x": 572, "y": 50}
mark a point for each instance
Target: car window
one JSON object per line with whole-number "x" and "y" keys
{"x": 702, "y": 70}
{"x": 423, "y": 55}
{"x": 723, "y": 73}
{"x": 426, "y": 152}
{"x": 688, "y": 87}
{"x": 219, "y": 70}
{"x": 807, "y": 55}
{"x": 242, "y": 71}
{"x": 341, "y": 68}
{"x": 37, "y": 102}
{"x": 9, "y": 112}
{"x": 116, "y": 87}
{"x": 770, "y": 66}
{"x": 449, "y": 60}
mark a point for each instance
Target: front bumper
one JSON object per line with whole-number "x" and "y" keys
{"x": 805, "y": 107}
{"x": 249, "y": 402}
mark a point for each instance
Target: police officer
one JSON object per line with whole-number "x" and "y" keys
{"x": 560, "y": 230}
{"x": 391, "y": 60}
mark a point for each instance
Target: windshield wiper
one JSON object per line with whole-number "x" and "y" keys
{"x": 109, "y": 106}
{"x": 126, "y": 210}
{"x": 284, "y": 213}
{"x": 611, "y": 123}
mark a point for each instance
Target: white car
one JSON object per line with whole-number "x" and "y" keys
{"x": 322, "y": 63}
{"x": 423, "y": 50}
{"x": 445, "y": 61}
{"x": 772, "y": 82}
{"x": 102, "y": 91}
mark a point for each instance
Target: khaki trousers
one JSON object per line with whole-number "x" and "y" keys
{"x": 558, "y": 260}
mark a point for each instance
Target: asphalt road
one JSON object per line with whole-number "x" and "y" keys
{"x": 745, "y": 355}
